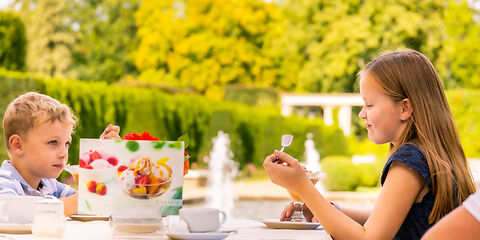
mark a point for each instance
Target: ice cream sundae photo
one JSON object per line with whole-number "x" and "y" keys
{"x": 97, "y": 167}
{"x": 144, "y": 178}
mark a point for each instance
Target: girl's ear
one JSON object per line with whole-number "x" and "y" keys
{"x": 405, "y": 109}
{"x": 15, "y": 143}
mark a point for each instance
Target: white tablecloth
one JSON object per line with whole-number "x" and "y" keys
{"x": 249, "y": 229}
{"x": 246, "y": 229}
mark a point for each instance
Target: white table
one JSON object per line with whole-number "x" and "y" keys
{"x": 246, "y": 229}
{"x": 249, "y": 229}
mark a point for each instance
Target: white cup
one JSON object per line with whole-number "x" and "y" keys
{"x": 202, "y": 219}
{"x": 17, "y": 209}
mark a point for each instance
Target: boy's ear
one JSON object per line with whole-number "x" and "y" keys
{"x": 406, "y": 109}
{"x": 15, "y": 143}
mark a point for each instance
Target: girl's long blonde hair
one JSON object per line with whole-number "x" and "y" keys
{"x": 409, "y": 74}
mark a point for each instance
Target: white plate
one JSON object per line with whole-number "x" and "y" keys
{"x": 15, "y": 228}
{"x": 198, "y": 236}
{"x": 89, "y": 217}
{"x": 276, "y": 223}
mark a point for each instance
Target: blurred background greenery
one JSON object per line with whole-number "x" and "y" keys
{"x": 173, "y": 67}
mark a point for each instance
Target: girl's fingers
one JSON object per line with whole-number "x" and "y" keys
{"x": 285, "y": 158}
{"x": 289, "y": 209}
{"x": 283, "y": 216}
{"x": 268, "y": 161}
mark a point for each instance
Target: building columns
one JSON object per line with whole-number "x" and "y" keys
{"x": 345, "y": 119}
{"x": 327, "y": 101}
{"x": 328, "y": 115}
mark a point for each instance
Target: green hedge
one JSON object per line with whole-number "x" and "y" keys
{"x": 343, "y": 175}
{"x": 253, "y": 96}
{"x": 13, "y": 42}
{"x": 254, "y": 132}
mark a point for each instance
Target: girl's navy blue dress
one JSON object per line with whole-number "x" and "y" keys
{"x": 416, "y": 222}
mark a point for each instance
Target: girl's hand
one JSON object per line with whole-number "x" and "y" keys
{"x": 290, "y": 174}
{"x": 287, "y": 212}
{"x": 111, "y": 132}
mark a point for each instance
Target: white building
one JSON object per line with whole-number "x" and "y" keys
{"x": 327, "y": 102}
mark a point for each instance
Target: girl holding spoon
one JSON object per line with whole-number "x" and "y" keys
{"x": 426, "y": 174}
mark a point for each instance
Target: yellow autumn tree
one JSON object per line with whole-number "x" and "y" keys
{"x": 206, "y": 44}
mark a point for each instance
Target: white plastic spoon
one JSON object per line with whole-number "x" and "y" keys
{"x": 286, "y": 141}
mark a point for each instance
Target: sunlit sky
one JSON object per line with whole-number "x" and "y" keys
{"x": 4, "y": 3}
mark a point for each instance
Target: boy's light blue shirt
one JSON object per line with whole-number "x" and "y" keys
{"x": 12, "y": 183}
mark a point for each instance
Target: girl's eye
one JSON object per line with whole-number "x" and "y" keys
{"x": 53, "y": 143}
{"x": 67, "y": 144}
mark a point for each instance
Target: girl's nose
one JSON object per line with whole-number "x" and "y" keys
{"x": 362, "y": 114}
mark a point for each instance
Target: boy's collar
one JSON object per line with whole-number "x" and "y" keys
{"x": 42, "y": 186}
{"x": 7, "y": 165}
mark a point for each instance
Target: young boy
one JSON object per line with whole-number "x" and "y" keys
{"x": 37, "y": 131}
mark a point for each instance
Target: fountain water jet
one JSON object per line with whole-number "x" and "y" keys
{"x": 312, "y": 161}
{"x": 221, "y": 172}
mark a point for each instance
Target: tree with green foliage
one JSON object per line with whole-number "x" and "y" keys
{"x": 85, "y": 39}
{"x": 107, "y": 39}
{"x": 205, "y": 44}
{"x": 327, "y": 42}
{"x": 13, "y": 42}
{"x": 459, "y": 60}
{"x": 49, "y": 35}
{"x": 299, "y": 45}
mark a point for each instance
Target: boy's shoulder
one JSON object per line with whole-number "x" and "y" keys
{"x": 9, "y": 185}
{"x": 12, "y": 183}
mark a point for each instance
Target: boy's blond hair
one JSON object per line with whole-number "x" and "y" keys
{"x": 31, "y": 109}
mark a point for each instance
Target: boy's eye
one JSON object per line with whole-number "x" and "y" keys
{"x": 53, "y": 143}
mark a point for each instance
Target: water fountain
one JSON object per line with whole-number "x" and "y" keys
{"x": 312, "y": 161}
{"x": 221, "y": 171}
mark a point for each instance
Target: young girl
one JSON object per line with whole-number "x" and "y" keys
{"x": 426, "y": 175}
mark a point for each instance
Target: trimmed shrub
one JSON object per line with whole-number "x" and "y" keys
{"x": 342, "y": 174}
{"x": 253, "y": 96}
{"x": 254, "y": 132}
{"x": 369, "y": 174}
